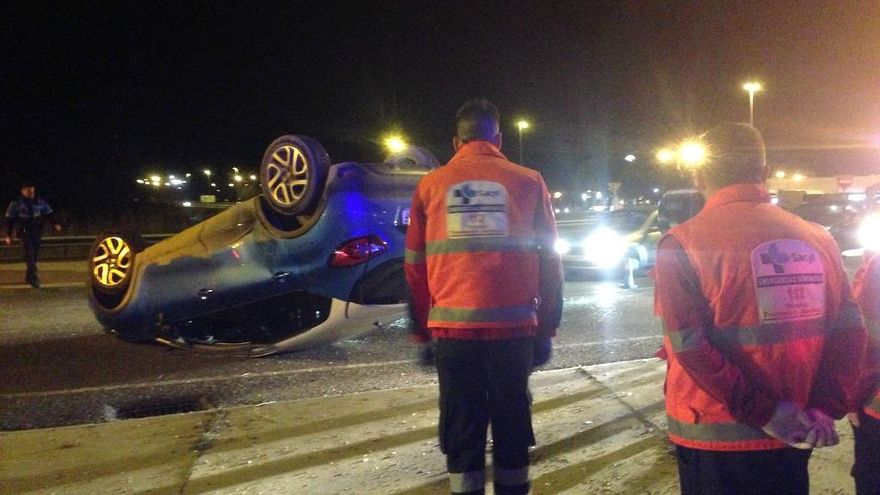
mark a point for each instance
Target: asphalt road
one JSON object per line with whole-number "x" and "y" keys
{"x": 59, "y": 367}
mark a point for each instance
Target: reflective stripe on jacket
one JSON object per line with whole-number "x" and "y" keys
{"x": 866, "y": 288}
{"x": 479, "y": 249}
{"x": 756, "y": 310}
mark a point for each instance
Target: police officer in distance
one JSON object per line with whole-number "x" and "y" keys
{"x": 485, "y": 283}
{"x": 25, "y": 218}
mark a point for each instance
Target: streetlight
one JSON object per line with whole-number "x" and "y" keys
{"x": 630, "y": 158}
{"x": 521, "y": 125}
{"x": 780, "y": 174}
{"x": 207, "y": 172}
{"x": 692, "y": 153}
{"x": 665, "y": 156}
{"x": 395, "y": 144}
{"x": 752, "y": 87}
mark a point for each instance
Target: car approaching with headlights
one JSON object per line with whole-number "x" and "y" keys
{"x": 604, "y": 242}
{"x": 317, "y": 257}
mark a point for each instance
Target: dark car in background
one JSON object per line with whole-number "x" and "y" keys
{"x": 840, "y": 217}
{"x": 317, "y": 257}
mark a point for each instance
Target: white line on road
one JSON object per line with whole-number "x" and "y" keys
{"x": 54, "y": 285}
{"x": 272, "y": 374}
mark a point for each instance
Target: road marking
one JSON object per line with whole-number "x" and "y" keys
{"x": 271, "y": 374}
{"x": 57, "y": 285}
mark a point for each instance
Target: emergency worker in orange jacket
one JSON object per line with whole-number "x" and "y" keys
{"x": 486, "y": 283}
{"x": 763, "y": 336}
{"x": 866, "y": 421}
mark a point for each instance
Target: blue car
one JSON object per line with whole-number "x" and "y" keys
{"x": 317, "y": 257}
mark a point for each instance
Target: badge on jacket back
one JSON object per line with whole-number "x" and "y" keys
{"x": 789, "y": 281}
{"x": 476, "y": 209}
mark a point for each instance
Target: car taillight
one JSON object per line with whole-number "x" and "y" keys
{"x": 356, "y": 251}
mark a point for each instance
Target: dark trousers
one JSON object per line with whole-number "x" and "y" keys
{"x": 866, "y": 469}
{"x": 759, "y": 472}
{"x": 483, "y": 382}
{"x": 30, "y": 244}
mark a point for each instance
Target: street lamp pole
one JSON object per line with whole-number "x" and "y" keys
{"x": 521, "y": 125}
{"x": 752, "y": 87}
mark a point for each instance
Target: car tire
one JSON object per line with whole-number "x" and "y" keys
{"x": 293, "y": 173}
{"x": 413, "y": 158}
{"x": 111, "y": 261}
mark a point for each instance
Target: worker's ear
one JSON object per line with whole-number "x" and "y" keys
{"x": 497, "y": 140}
{"x": 457, "y": 143}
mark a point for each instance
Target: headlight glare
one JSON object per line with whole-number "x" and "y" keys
{"x": 605, "y": 248}
{"x": 869, "y": 233}
{"x": 562, "y": 246}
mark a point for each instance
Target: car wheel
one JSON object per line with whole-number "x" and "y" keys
{"x": 111, "y": 261}
{"x": 413, "y": 158}
{"x": 293, "y": 173}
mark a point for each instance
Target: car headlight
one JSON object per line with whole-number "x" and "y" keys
{"x": 562, "y": 246}
{"x": 869, "y": 233}
{"x": 605, "y": 248}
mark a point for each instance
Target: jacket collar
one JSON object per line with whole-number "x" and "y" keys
{"x": 756, "y": 193}
{"x": 478, "y": 148}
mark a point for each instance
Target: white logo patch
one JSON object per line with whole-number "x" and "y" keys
{"x": 789, "y": 281}
{"x": 476, "y": 209}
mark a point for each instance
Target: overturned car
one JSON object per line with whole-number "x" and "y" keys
{"x": 317, "y": 257}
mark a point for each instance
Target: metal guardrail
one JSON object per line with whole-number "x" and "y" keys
{"x": 59, "y": 248}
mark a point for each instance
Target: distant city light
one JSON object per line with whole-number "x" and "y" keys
{"x": 171, "y": 177}
{"x": 798, "y": 177}
{"x": 598, "y": 194}
{"x": 189, "y": 175}
{"x": 140, "y": 181}
{"x": 780, "y": 174}
{"x": 237, "y": 178}
{"x": 566, "y": 210}
{"x": 213, "y": 184}
{"x": 235, "y": 169}
{"x": 231, "y": 184}
{"x": 656, "y": 190}
{"x": 253, "y": 177}
{"x": 557, "y": 195}
{"x": 630, "y": 158}
{"x": 584, "y": 196}
{"x": 186, "y": 204}
{"x": 155, "y": 178}
{"x": 522, "y": 125}
{"x": 395, "y": 144}
{"x": 206, "y": 172}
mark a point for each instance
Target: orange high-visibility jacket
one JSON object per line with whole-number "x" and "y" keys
{"x": 866, "y": 288}
{"x": 756, "y": 310}
{"x": 479, "y": 250}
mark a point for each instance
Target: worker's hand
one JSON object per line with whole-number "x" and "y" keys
{"x": 791, "y": 424}
{"x": 542, "y": 351}
{"x": 427, "y": 355}
{"x": 57, "y": 227}
{"x": 853, "y": 418}
{"x": 822, "y": 434}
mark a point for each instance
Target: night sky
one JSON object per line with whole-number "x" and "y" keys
{"x": 96, "y": 94}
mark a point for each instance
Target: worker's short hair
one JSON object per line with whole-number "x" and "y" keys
{"x": 735, "y": 153}
{"x": 27, "y": 184}
{"x": 477, "y": 120}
